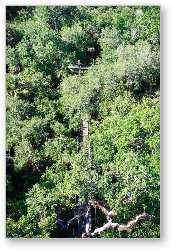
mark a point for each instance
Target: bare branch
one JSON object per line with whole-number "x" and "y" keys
{"x": 84, "y": 214}
{"x": 108, "y": 214}
{"x": 129, "y": 226}
{"x": 105, "y": 227}
{"x": 72, "y": 221}
{"x": 110, "y": 224}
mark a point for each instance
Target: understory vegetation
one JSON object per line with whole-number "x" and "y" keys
{"x": 50, "y": 177}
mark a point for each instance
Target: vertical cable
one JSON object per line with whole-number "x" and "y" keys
{"x": 95, "y": 218}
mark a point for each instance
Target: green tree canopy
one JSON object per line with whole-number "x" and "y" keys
{"x": 52, "y": 170}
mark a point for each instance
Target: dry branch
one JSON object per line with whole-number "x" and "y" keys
{"x": 129, "y": 226}
{"x": 96, "y": 204}
{"x": 72, "y": 221}
{"x": 84, "y": 214}
{"x": 110, "y": 224}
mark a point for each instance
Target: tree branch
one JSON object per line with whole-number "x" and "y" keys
{"x": 110, "y": 224}
{"x": 80, "y": 214}
{"x": 96, "y": 204}
{"x": 85, "y": 212}
{"x": 72, "y": 221}
{"x": 129, "y": 226}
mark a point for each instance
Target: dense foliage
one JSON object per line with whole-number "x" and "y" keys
{"x": 48, "y": 173}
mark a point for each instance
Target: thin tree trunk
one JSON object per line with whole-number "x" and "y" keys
{"x": 88, "y": 219}
{"x": 81, "y": 222}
